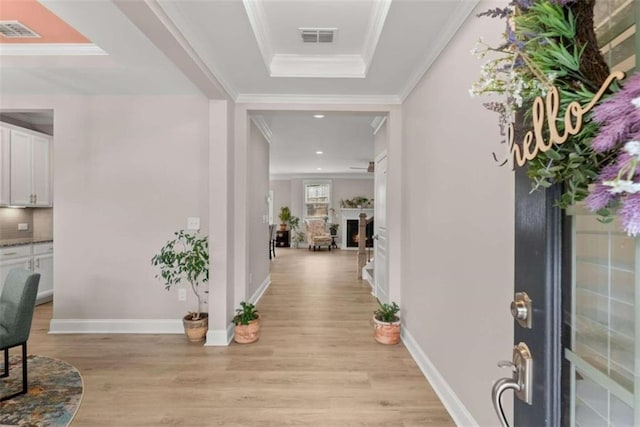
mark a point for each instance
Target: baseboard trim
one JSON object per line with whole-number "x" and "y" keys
{"x": 253, "y": 299}
{"x": 116, "y": 326}
{"x": 219, "y": 337}
{"x": 460, "y": 414}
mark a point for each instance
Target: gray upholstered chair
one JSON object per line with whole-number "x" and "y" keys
{"x": 17, "y": 302}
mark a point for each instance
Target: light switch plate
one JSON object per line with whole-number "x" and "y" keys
{"x": 23, "y": 226}
{"x": 193, "y": 223}
{"x": 182, "y": 294}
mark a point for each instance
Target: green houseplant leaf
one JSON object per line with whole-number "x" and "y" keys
{"x": 245, "y": 314}
{"x": 387, "y": 313}
{"x": 185, "y": 258}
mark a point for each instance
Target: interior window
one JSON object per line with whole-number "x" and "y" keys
{"x": 317, "y": 199}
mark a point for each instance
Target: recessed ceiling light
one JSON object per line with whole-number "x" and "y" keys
{"x": 318, "y": 152}
{"x": 318, "y": 116}
{"x": 319, "y": 169}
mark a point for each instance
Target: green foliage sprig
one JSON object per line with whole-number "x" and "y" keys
{"x": 245, "y": 314}
{"x": 387, "y": 313}
{"x": 185, "y": 257}
{"x": 551, "y": 49}
{"x": 542, "y": 51}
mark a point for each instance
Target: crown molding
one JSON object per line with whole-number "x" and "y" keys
{"x": 168, "y": 13}
{"x": 376, "y": 24}
{"x": 258, "y": 20}
{"x": 50, "y": 49}
{"x": 262, "y": 125}
{"x": 312, "y": 66}
{"x": 324, "y": 66}
{"x": 248, "y": 98}
{"x": 458, "y": 17}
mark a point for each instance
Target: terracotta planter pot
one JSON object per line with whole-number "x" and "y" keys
{"x": 196, "y": 330}
{"x": 245, "y": 334}
{"x": 385, "y": 332}
{"x": 283, "y": 227}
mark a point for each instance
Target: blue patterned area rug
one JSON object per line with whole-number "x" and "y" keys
{"x": 55, "y": 392}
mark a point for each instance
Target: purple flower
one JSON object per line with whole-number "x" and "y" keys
{"x": 599, "y": 198}
{"x": 618, "y": 117}
{"x": 523, "y": 4}
{"x": 630, "y": 214}
{"x": 496, "y": 13}
{"x": 601, "y": 195}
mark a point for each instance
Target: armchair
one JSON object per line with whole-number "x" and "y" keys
{"x": 317, "y": 236}
{"x": 17, "y": 302}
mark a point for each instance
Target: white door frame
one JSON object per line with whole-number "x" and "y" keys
{"x": 394, "y": 184}
{"x": 380, "y": 259}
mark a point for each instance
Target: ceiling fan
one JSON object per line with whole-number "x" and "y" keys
{"x": 369, "y": 168}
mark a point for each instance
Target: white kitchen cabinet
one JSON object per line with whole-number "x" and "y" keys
{"x": 43, "y": 264}
{"x": 37, "y": 257}
{"x": 13, "y": 257}
{"x": 30, "y": 165}
{"x": 41, "y": 155}
{"x": 5, "y": 170}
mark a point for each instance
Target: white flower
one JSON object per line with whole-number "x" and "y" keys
{"x": 633, "y": 148}
{"x": 636, "y": 102}
{"x": 623, "y": 186}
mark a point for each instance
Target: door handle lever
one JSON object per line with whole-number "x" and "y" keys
{"x": 500, "y": 386}
{"x": 520, "y": 381}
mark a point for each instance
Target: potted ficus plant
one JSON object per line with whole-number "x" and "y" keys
{"x": 285, "y": 217}
{"x": 386, "y": 324}
{"x": 187, "y": 258}
{"x": 247, "y": 321}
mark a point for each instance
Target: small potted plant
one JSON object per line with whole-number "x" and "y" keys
{"x": 386, "y": 324}
{"x": 333, "y": 229}
{"x": 247, "y": 321}
{"x": 285, "y": 217}
{"x": 297, "y": 236}
{"x": 187, "y": 257}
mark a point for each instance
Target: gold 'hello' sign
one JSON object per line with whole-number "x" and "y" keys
{"x": 534, "y": 140}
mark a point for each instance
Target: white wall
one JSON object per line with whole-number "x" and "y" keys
{"x": 258, "y": 208}
{"x": 128, "y": 171}
{"x": 281, "y": 196}
{"x": 458, "y": 214}
{"x": 222, "y": 221}
{"x": 344, "y": 189}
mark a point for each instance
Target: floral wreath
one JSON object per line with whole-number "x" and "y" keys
{"x": 552, "y": 43}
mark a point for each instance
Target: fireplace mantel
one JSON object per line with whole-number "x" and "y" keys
{"x": 347, "y": 214}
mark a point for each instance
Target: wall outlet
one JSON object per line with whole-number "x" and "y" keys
{"x": 23, "y": 226}
{"x": 182, "y": 294}
{"x": 193, "y": 223}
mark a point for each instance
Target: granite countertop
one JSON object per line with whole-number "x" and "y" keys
{"x": 17, "y": 242}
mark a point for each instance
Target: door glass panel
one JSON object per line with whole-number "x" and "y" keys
{"x": 602, "y": 350}
{"x": 603, "y": 322}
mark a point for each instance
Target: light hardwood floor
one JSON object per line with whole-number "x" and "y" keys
{"x": 316, "y": 363}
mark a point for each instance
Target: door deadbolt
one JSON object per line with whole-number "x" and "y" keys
{"x": 521, "y": 309}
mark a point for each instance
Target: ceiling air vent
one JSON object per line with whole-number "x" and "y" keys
{"x": 16, "y": 30}
{"x": 317, "y": 35}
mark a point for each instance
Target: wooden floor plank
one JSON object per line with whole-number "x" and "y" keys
{"x": 316, "y": 363}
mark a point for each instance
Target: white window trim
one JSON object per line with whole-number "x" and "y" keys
{"x": 307, "y": 182}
